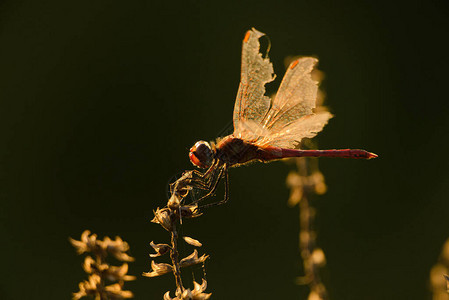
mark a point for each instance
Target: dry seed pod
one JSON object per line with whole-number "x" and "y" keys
{"x": 88, "y": 264}
{"x": 162, "y": 217}
{"x": 190, "y": 211}
{"x": 114, "y": 291}
{"x": 192, "y": 242}
{"x": 196, "y": 294}
{"x": 158, "y": 269}
{"x": 295, "y": 183}
{"x": 86, "y": 244}
{"x": 87, "y": 287}
{"x": 193, "y": 259}
{"x": 160, "y": 249}
{"x": 114, "y": 273}
{"x": 167, "y": 296}
{"x": 318, "y": 257}
{"x": 318, "y": 182}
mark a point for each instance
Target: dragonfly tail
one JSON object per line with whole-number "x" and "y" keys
{"x": 343, "y": 153}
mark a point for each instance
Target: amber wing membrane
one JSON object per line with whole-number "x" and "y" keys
{"x": 251, "y": 103}
{"x": 289, "y": 117}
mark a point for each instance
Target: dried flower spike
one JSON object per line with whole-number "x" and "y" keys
{"x": 100, "y": 271}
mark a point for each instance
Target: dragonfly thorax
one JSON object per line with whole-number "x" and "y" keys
{"x": 201, "y": 154}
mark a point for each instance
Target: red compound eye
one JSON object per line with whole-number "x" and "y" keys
{"x": 195, "y": 160}
{"x": 201, "y": 154}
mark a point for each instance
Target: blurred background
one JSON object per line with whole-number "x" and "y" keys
{"x": 101, "y": 100}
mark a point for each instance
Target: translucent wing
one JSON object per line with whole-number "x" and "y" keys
{"x": 290, "y": 136}
{"x": 251, "y": 104}
{"x": 296, "y": 96}
{"x": 291, "y": 116}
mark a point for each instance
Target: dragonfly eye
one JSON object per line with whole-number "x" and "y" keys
{"x": 201, "y": 154}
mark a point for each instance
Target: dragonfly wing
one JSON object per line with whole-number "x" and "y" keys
{"x": 290, "y": 136}
{"x": 287, "y": 119}
{"x": 251, "y": 104}
{"x": 296, "y": 96}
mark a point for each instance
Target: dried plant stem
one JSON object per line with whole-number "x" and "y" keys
{"x": 306, "y": 182}
{"x": 174, "y": 255}
{"x": 101, "y": 294}
{"x": 170, "y": 219}
{"x": 311, "y": 269}
{"x": 307, "y": 219}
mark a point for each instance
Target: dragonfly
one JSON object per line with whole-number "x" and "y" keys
{"x": 266, "y": 129}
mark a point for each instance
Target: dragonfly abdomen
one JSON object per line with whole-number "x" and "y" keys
{"x": 343, "y": 153}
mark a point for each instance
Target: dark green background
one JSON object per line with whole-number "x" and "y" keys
{"x": 101, "y": 100}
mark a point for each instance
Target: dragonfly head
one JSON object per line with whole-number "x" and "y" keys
{"x": 201, "y": 154}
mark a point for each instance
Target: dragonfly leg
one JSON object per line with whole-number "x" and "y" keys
{"x": 195, "y": 183}
{"x": 186, "y": 182}
{"x": 203, "y": 180}
{"x": 207, "y": 177}
{"x": 212, "y": 168}
{"x": 213, "y": 184}
{"x": 209, "y": 171}
{"x": 226, "y": 195}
